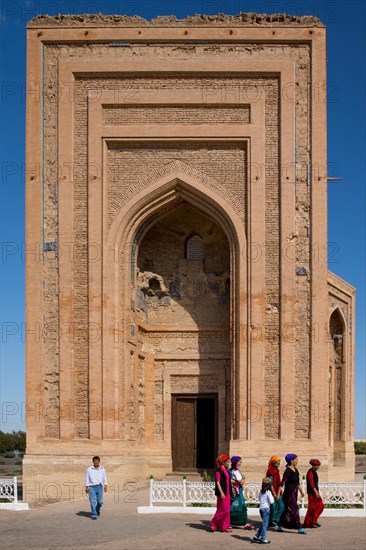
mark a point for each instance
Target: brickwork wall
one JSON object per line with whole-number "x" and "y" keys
{"x": 226, "y": 165}
{"x": 272, "y": 256}
{"x": 159, "y": 402}
{"x": 302, "y": 247}
{"x": 141, "y": 401}
{"x": 175, "y": 115}
{"x": 50, "y": 267}
{"x": 130, "y": 167}
{"x": 81, "y": 336}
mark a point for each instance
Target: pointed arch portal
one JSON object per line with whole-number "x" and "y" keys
{"x": 182, "y": 315}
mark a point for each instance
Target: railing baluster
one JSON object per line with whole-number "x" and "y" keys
{"x": 15, "y": 485}
{"x": 151, "y": 490}
{"x": 184, "y": 492}
{"x": 303, "y": 486}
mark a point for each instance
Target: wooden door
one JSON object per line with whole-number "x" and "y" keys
{"x": 184, "y": 433}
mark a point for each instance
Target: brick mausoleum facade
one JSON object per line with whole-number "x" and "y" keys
{"x": 179, "y": 295}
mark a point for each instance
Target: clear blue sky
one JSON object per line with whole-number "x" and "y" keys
{"x": 345, "y": 22}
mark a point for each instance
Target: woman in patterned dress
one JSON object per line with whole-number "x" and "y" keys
{"x": 291, "y": 480}
{"x": 238, "y": 508}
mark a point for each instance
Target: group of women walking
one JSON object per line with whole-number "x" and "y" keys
{"x": 277, "y": 498}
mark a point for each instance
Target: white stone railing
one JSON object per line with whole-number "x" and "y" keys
{"x": 343, "y": 493}
{"x": 167, "y": 492}
{"x": 203, "y": 492}
{"x": 9, "y": 489}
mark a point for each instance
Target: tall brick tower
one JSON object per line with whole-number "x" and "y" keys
{"x": 179, "y": 294}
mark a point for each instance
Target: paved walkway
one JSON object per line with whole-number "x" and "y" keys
{"x": 67, "y": 526}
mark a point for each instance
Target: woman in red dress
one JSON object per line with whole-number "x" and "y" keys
{"x": 315, "y": 503}
{"x": 221, "y": 520}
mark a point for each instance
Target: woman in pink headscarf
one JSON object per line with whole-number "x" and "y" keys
{"x": 221, "y": 520}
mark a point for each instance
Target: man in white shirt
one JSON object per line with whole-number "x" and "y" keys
{"x": 95, "y": 483}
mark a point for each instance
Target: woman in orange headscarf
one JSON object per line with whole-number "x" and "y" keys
{"x": 221, "y": 520}
{"x": 273, "y": 473}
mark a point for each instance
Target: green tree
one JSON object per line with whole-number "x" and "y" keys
{"x": 360, "y": 447}
{"x": 12, "y": 441}
{"x": 6, "y": 442}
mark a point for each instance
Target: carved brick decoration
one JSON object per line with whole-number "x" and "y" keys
{"x": 151, "y": 134}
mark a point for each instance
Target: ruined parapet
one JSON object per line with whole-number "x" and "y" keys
{"x": 220, "y": 19}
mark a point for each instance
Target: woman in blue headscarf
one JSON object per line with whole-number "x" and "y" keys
{"x": 290, "y": 517}
{"x": 238, "y": 507}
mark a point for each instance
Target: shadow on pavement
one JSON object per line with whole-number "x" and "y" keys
{"x": 84, "y": 514}
{"x": 203, "y": 526}
{"x": 242, "y": 538}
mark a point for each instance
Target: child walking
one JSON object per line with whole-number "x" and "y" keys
{"x": 265, "y": 501}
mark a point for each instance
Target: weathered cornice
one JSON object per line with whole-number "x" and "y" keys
{"x": 221, "y": 19}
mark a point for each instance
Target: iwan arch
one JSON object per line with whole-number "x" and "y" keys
{"x": 182, "y": 286}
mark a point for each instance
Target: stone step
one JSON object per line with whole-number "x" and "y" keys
{"x": 196, "y": 475}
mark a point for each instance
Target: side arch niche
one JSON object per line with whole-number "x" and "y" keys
{"x": 337, "y": 379}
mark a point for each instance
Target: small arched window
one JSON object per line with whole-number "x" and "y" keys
{"x": 195, "y": 248}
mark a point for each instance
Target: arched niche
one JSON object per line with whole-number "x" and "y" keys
{"x": 337, "y": 377}
{"x": 182, "y": 315}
